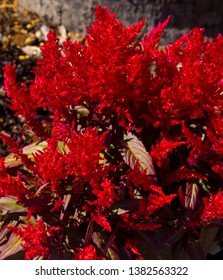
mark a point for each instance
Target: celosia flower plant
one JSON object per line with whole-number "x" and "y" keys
{"x": 127, "y": 158}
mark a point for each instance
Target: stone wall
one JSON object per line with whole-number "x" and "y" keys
{"x": 77, "y": 14}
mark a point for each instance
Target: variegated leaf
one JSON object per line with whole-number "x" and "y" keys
{"x": 10, "y": 205}
{"x": 10, "y": 248}
{"x": 4, "y": 230}
{"x": 191, "y": 196}
{"x": 12, "y": 161}
{"x": 134, "y": 151}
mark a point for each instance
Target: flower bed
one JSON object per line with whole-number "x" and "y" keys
{"x": 126, "y": 160}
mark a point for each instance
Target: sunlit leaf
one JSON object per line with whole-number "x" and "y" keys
{"x": 12, "y": 246}
{"x": 32, "y": 220}
{"x": 191, "y": 196}
{"x": 102, "y": 159}
{"x": 125, "y": 205}
{"x": 120, "y": 211}
{"x": 12, "y": 161}
{"x": 4, "y": 231}
{"x": 134, "y": 151}
{"x": 34, "y": 147}
{"x": 62, "y": 147}
{"x": 83, "y": 111}
{"x": 10, "y": 205}
{"x": 113, "y": 254}
{"x": 204, "y": 186}
{"x": 97, "y": 239}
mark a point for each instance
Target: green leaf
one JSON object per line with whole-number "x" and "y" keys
{"x": 191, "y": 196}
{"x": 34, "y": 147}
{"x": 11, "y": 247}
{"x": 134, "y": 151}
{"x": 204, "y": 186}
{"x": 62, "y": 147}
{"x": 102, "y": 159}
{"x": 10, "y": 205}
{"x": 83, "y": 111}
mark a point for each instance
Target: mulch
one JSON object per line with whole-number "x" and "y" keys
{"x": 21, "y": 35}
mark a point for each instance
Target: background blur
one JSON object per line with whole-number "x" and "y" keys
{"x": 186, "y": 14}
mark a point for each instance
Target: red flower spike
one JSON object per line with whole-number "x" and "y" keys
{"x": 87, "y": 253}
{"x": 132, "y": 244}
{"x": 213, "y": 207}
{"x": 49, "y": 160}
{"x": 140, "y": 179}
{"x": 19, "y": 96}
{"x": 155, "y": 34}
{"x": 160, "y": 151}
{"x": 101, "y": 220}
{"x": 2, "y": 167}
{"x": 157, "y": 201}
{"x": 84, "y": 152}
{"x": 18, "y": 152}
{"x": 57, "y": 205}
{"x": 170, "y": 97}
{"x": 35, "y": 239}
{"x": 106, "y": 194}
{"x": 14, "y": 185}
{"x": 51, "y": 50}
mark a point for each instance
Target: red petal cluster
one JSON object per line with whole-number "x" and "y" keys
{"x": 213, "y": 207}
{"x": 34, "y": 239}
{"x": 84, "y": 152}
{"x": 83, "y": 100}
{"x": 87, "y": 253}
